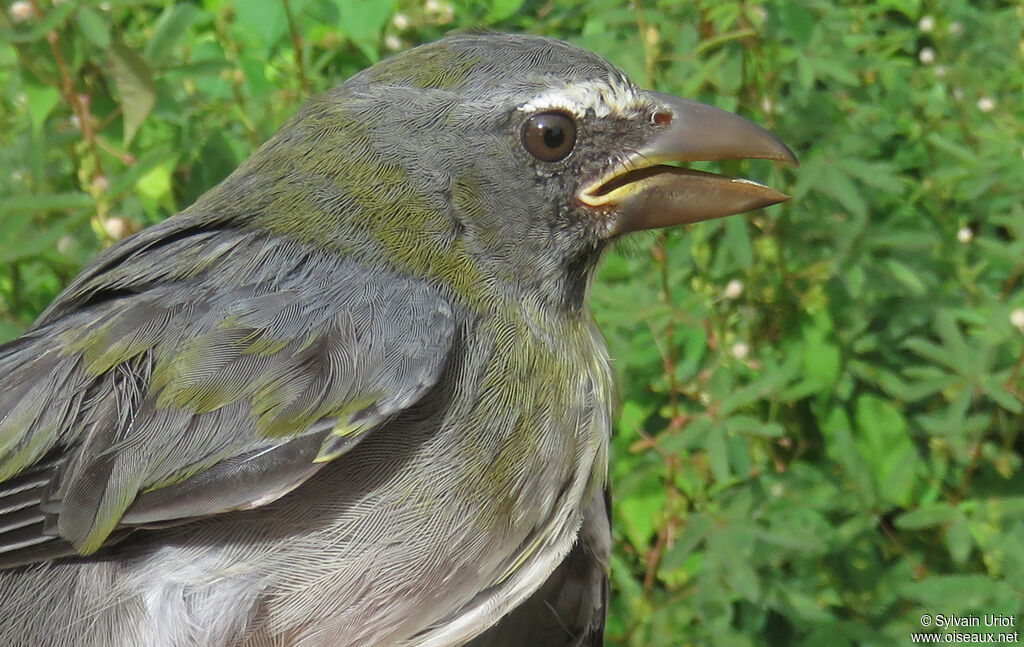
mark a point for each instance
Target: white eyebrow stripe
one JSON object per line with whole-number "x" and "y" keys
{"x": 603, "y": 98}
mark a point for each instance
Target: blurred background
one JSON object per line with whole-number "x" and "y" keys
{"x": 821, "y": 430}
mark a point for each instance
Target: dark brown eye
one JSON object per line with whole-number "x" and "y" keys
{"x": 549, "y": 136}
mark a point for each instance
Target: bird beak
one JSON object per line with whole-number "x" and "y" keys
{"x": 643, "y": 192}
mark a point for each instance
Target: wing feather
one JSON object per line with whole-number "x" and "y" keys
{"x": 181, "y": 395}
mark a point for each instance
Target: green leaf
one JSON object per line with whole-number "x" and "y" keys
{"x": 795, "y": 21}
{"x": 134, "y": 82}
{"x": 927, "y": 517}
{"x": 737, "y": 241}
{"x": 885, "y": 446}
{"x": 9, "y": 331}
{"x": 953, "y": 593}
{"x": 774, "y": 378}
{"x": 51, "y": 20}
{"x": 883, "y": 177}
{"x": 41, "y": 101}
{"x": 94, "y": 27}
{"x": 39, "y": 242}
{"x": 839, "y": 186}
{"x": 822, "y": 360}
{"x": 959, "y": 540}
{"x": 362, "y": 22}
{"x": 698, "y": 527}
{"x": 53, "y": 202}
{"x": 640, "y": 513}
{"x": 502, "y": 9}
{"x": 173, "y": 23}
{"x": 718, "y": 457}
{"x": 265, "y": 18}
{"x": 907, "y": 277}
{"x": 1001, "y": 396}
{"x": 750, "y": 426}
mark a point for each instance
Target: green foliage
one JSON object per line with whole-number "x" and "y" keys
{"x": 822, "y": 404}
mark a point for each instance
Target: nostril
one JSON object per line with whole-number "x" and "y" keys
{"x": 662, "y": 118}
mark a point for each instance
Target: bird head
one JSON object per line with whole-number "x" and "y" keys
{"x": 505, "y": 159}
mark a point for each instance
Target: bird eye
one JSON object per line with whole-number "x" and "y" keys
{"x": 549, "y": 136}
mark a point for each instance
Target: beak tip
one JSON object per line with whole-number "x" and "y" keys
{"x": 788, "y": 156}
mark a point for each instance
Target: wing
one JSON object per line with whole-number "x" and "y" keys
{"x": 200, "y": 372}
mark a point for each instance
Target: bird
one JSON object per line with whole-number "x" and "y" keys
{"x": 354, "y": 394}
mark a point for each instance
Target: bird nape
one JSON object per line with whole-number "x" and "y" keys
{"x": 354, "y": 394}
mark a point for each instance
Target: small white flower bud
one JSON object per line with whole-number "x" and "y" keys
{"x": 400, "y": 21}
{"x": 652, "y": 36}
{"x": 926, "y": 24}
{"x": 66, "y": 245}
{"x": 926, "y": 55}
{"x": 986, "y": 104}
{"x": 392, "y": 42}
{"x": 117, "y": 228}
{"x": 740, "y": 350}
{"x": 734, "y": 289}
{"x": 438, "y": 12}
{"x": 20, "y": 11}
{"x": 964, "y": 235}
{"x": 1017, "y": 318}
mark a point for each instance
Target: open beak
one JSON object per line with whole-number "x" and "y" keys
{"x": 644, "y": 192}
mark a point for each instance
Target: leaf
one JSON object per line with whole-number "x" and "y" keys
{"x": 134, "y": 82}
{"x": 822, "y": 360}
{"x": 927, "y": 517}
{"x": 774, "y": 378}
{"x": 1001, "y": 396}
{"x": 963, "y": 154}
{"x": 267, "y": 19}
{"x": 53, "y": 202}
{"x": 41, "y": 101}
{"x": 883, "y": 441}
{"x": 39, "y": 242}
{"x": 94, "y": 27}
{"x": 953, "y": 593}
{"x": 906, "y": 277}
{"x": 750, "y": 426}
{"x": 883, "y": 177}
{"x": 743, "y": 579}
{"x": 173, "y": 23}
{"x": 502, "y": 9}
{"x": 640, "y": 513}
{"x": 718, "y": 456}
{"x": 841, "y": 448}
{"x": 795, "y": 21}
{"x": 9, "y": 331}
{"x": 840, "y": 187}
{"x": 362, "y": 22}
{"x": 737, "y": 242}
{"x": 50, "y": 21}
{"x": 959, "y": 540}
{"x": 698, "y": 527}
